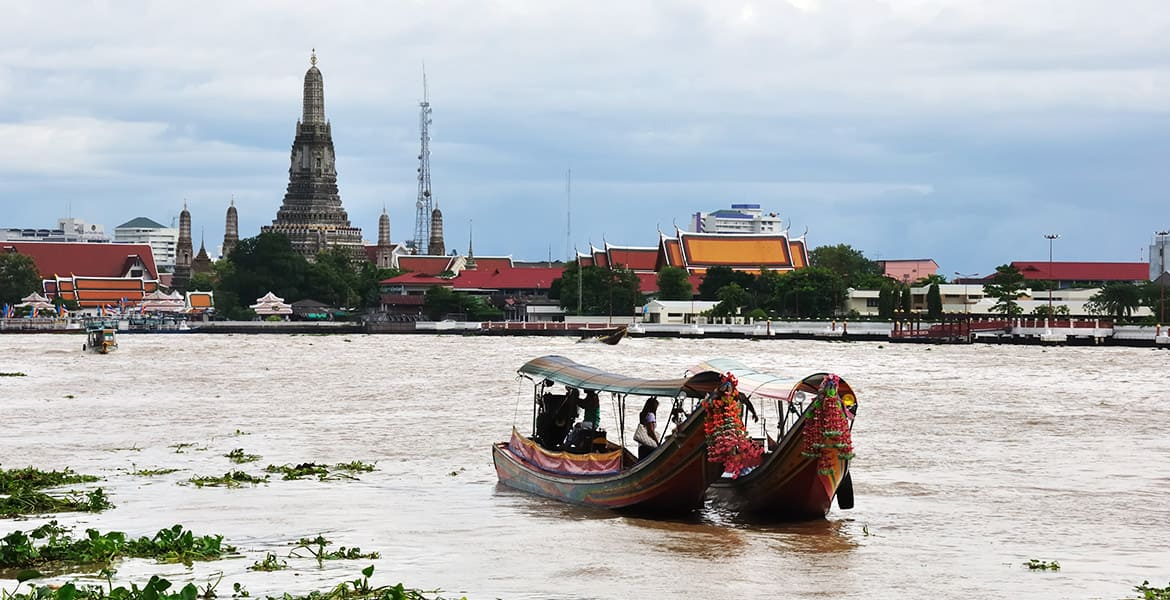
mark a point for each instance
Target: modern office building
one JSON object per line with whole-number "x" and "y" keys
{"x": 163, "y": 240}
{"x": 740, "y": 218}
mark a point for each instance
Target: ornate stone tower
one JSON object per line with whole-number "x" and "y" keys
{"x": 384, "y": 252}
{"x": 184, "y": 254}
{"x": 311, "y": 215}
{"x": 435, "y": 246}
{"x": 231, "y": 230}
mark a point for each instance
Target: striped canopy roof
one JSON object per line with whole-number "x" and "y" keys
{"x": 562, "y": 370}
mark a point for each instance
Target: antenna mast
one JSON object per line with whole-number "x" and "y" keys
{"x": 425, "y": 204}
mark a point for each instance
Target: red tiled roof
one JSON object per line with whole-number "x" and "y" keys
{"x": 84, "y": 259}
{"x": 635, "y": 259}
{"x": 600, "y": 259}
{"x": 429, "y": 265}
{"x": 493, "y": 262}
{"x": 533, "y": 278}
{"x": 648, "y": 282}
{"x": 1084, "y": 271}
{"x": 740, "y": 251}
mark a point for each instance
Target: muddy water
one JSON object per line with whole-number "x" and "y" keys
{"x": 970, "y": 461}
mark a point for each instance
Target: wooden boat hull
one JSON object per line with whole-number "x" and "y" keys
{"x": 671, "y": 481}
{"x": 786, "y": 486}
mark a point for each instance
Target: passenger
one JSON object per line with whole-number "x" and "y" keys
{"x": 645, "y": 434}
{"x": 592, "y": 407}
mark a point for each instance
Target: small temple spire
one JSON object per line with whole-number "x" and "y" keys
{"x": 470, "y": 236}
{"x": 436, "y": 247}
{"x": 314, "y": 97}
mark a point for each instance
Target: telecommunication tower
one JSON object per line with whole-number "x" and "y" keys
{"x": 425, "y": 204}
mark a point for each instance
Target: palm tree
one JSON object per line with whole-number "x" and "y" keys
{"x": 1118, "y": 299}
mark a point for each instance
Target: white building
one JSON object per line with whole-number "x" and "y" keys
{"x": 740, "y": 218}
{"x": 675, "y": 311}
{"x": 163, "y": 240}
{"x": 69, "y": 229}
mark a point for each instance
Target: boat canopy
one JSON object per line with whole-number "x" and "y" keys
{"x": 562, "y": 370}
{"x": 753, "y": 383}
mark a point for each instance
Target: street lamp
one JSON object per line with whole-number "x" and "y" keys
{"x": 966, "y": 305}
{"x": 1051, "y": 281}
{"x": 1161, "y": 276}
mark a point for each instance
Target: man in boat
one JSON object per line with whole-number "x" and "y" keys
{"x": 555, "y": 418}
{"x": 580, "y": 439}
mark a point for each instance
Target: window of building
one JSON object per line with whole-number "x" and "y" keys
{"x": 871, "y": 302}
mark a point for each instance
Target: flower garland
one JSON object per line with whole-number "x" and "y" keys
{"x": 827, "y": 429}
{"x": 727, "y": 438}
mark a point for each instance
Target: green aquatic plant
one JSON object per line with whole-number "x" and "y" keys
{"x": 1149, "y": 592}
{"x": 290, "y": 472}
{"x": 356, "y": 466}
{"x": 34, "y": 478}
{"x": 153, "y": 472}
{"x": 13, "y": 374}
{"x": 230, "y": 479}
{"x": 52, "y": 545}
{"x": 158, "y": 588}
{"x": 316, "y": 548}
{"x": 270, "y": 563}
{"x": 27, "y": 501}
{"x": 239, "y": 457}
{"x": 1042, "y": 565}
{"x": 181, "y": 447}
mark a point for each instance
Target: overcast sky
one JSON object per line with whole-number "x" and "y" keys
{"x": 957, "y": 130}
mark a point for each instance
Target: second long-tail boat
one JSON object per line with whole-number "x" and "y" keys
{"x": 806, "y": 460}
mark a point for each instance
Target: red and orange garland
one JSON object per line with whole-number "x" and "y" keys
{"x": 827, "y": 429}
{"x": 727, "y": 438}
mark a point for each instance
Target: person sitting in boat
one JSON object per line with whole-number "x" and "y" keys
{"x": 748, "y": 408}
{"x": 555, "y": 418}
{"x": 645, "y": 434}
{"x": 592, "y": 407}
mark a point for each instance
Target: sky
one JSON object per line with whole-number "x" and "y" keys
{"x": 957, "y": 130}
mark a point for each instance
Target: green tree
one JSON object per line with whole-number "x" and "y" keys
{"x": 1007, "y": 287}
{"x": 674, "y": 284}
{"x": 718, "y": 277}
{"x": 906, "y": 301}
{"x": 850, "y": 265}
{"x": 604, "y": 291}
{"x": 262, "y": 264}
{"x": 1118, "y": 299}
{"x": 440, "y": 301}
{"x": 201, "y": 282}
{"x": 732, "y": 298}
{"x": 931, "y": 279}
{"x": 934, "y": 308}
{"x": 886, "y": 301}
{"x": 18, "y": 277}
{"x": 810, "y": 292}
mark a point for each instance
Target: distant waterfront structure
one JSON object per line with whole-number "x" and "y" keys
{"x": 436, "y": 247}
{"x": 69, "y": 229}
{"x": 384, "y": 251}
{"x": 424, "y": 206}
{"x": 1158, "y": 251}
{"x": 163, "y": 240}
{"x": 311, "y": 214}
{"x": 184, "y": 253}
{"x": 231, "y": 229}
{"x": 740, "y": 218}
{"x": 908, "y": 270}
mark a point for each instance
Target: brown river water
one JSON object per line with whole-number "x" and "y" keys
{"x": 971, "y": 460}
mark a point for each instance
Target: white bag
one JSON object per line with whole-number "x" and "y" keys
{"x": 643, "y": 437}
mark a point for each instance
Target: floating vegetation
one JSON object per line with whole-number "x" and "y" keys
{"x": 355, "y": 466}
{"x": 239, "y": 457}
{"x": 316, "y": 548}
{"x": 27, "y": 501}
{"x": 321, "y": 472}
{"x": 270, "y": 563}
{"x": 133, "y": 448}
{"x": 1042, "y": 565}
{"x": 181, "y": 447}
{"x": 239, "y": 432}
{"x": 230, "y": 479}
{"x": 33, "y": 478}
{"x": 1149, "y": 592}
{"x": 157, "y": 589}
{"x": 153, "y": 472}
{"x": 52, "y": 545}
{"x": 13, "y": 374}
{"x": 69, "y": 396}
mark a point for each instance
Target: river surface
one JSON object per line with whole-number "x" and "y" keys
{"x": 971, "y": 460}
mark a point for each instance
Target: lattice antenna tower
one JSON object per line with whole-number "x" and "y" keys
{"x": 425, "y": 203}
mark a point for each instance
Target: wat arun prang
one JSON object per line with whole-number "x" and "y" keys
{"x": 311, "y": 215}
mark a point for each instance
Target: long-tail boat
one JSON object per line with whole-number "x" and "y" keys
{"x": 605, "y": 336}
{"x": 806, "y": 462}
{"x": 100, "y": 337}
{"x": 601, "y": 473}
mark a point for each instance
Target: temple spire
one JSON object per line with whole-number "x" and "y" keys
{"x": 314, "y": 100}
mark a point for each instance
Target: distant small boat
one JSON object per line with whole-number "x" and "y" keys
{"x": 605, "y": 336}
{"x": 100, "y": 338}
